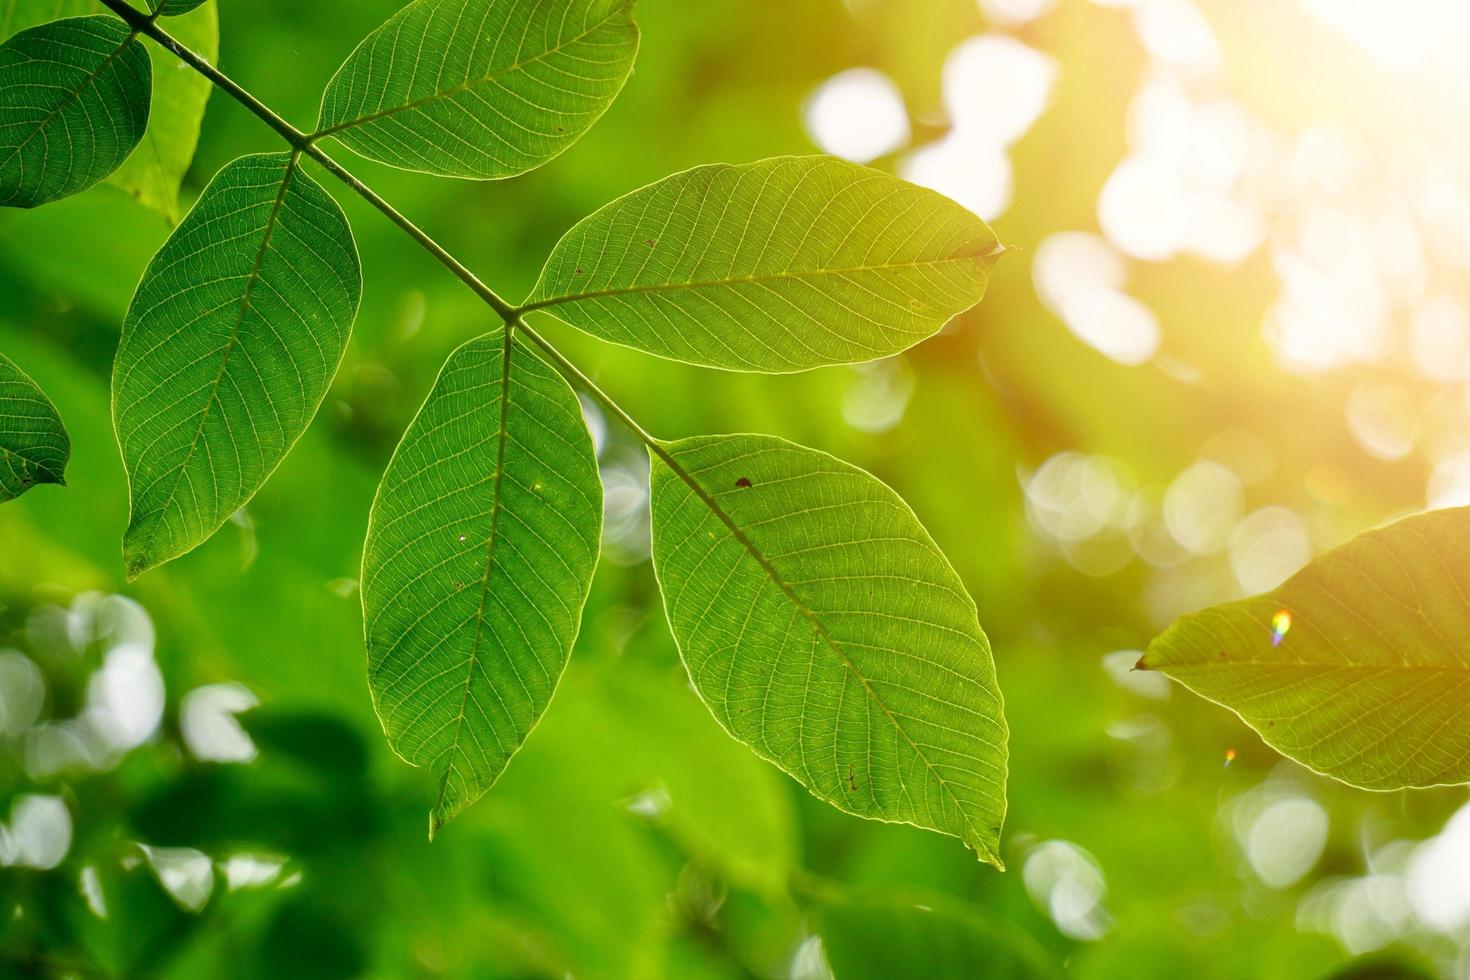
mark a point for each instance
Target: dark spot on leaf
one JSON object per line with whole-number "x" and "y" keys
{"x": 577, "y": 272}
{"x": 851, "y": 780}
{"x": 743, "y": 482}
{"x": 652, "y": 242}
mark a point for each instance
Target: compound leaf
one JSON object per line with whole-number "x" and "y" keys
{"x": 480, "y": 553}
{"x": 825, "y": 629}
{"x": 481, "y": 88}
{"x": 34, "y": 446}
{"x": 228, "y": 349}
{"x": 1358, "y": 666}
{"x": 74, "y": 100}
{"x": 776, "y": 266}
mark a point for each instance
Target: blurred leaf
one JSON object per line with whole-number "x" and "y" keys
{"x": 776, "y": 266}
{"x": 34, "y": 446}
{"x": 156, "y": 168}
{"x": 511, "y": 84}
{"x": 74, "y": 100}
{"x": 723, "y": 805}
{"x": 1355, "y": 666}
{"x": 17, "y": 15}
{"x": 307, "y": 940}
{"x": 825, "y": 629}
{"x": 883, "y": 937}
{"x": 232, "y": 339}
{"x": 480, "y": 553}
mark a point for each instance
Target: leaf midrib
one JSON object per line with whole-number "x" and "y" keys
{"x": 471, "y": 83}
{"x": 763, "y": 278}
{"x": 502, "y": 438}
{"x": 817, "y": 625}
{"x": 230, "y": 344}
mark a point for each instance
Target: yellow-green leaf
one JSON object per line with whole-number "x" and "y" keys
{"x": 481, "y": 88}
{"x": 775, "y": 266}
{"x": 826, "y": 630}
{"x": 480, "y": 552}
{"x": 1358, "y": 666}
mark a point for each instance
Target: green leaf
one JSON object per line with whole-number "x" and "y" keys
{"x": 154, "y": 171}
{"x": 887, "y": 937}
{"x": 33, "y": 443}
{"x": 157, "y": 167}
{"x": 228, "y": 349}
{"x": 17, "y": 15}
{"x": 825, "y": 629}
{"x": 481, "y": 88}
{"x": 775, "y": 266}
{"x": 480, "y": 552}
{"x": 1356, "y": 666}
{"x": 74, "y": 100}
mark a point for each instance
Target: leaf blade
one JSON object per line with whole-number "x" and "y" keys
{"x": 776, "y": 266}
{"x": 485, "y": 528}
{"x": 34, "y": 446}
{"x": 523, "y": 90}
{"x": 1363, "y": 682}
{"x": 825, "y": 553}
{"x": 56, "y": 80}
{"x": 156, "y": 169}
{"x": 253, "y": 367}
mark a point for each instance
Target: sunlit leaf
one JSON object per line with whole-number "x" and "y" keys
{"x": 480, "y": 552}
{"x": 33, "y": 443}
{"x": 1356, "y": 666}
{"x": 481, "y": 88}
{"x": 157, "y": 167}
{"x": 781, "y": 265}
{"x": 870, "y": 936}
{"x": 232, "y": 339}
{"x": 825, "y": 629}
{"x": 74, "y": 98}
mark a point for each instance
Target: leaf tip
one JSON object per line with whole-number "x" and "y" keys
{"x": 135, "y": 562}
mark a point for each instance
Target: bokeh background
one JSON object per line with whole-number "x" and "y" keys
{"x": 1236, "y": 330}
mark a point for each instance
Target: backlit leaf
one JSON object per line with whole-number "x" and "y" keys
{"x": 33, "y": 443}
{"x": 154, "y": 170}
{"x": 74, "y": 98}
{"x": 481, "y": 88}
{"x": 233, "y": 336}
{"x": 157, "y": 167}
{"x": 1357, "y": 666}
{"x": 825, "y": 629}
{"x": 776, "y": 266}
{"x": 480, "y": 552}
